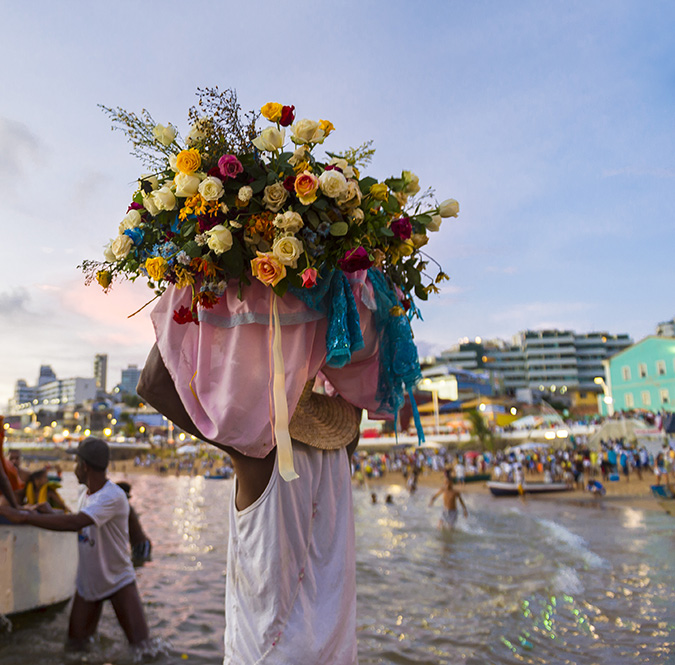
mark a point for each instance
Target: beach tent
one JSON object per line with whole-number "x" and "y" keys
{"x": 623, "y": 428}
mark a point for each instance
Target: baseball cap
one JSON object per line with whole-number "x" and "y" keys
{"x": 93, "y": 451}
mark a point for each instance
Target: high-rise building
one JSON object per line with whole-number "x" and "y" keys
{"x": 130, "y": 377}
{"x": 46, "y": 375}
{"x": 544, "y": 360}
{"x": 101, "y": 371}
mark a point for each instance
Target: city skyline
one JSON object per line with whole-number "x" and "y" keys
{"x": 551, "y": 124}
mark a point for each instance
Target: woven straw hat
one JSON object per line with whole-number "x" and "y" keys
{"x": 324, "y": 422}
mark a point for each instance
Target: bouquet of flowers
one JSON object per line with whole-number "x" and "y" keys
{"x": 231, "y": 203}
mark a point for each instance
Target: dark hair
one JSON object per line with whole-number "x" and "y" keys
{"x": 36, "y": 474}
{"x": 125, "y": 486}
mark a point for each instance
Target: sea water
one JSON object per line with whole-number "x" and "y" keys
{"x": 536, "y": 581}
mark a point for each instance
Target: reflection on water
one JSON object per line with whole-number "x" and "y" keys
{"x": 533, "y": 582}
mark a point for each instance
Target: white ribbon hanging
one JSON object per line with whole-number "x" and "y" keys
{"x": 281, "y": 434}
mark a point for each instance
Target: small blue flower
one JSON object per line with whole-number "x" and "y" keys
{"x": 323, "y": 229}
{"x": 136, "y": 234}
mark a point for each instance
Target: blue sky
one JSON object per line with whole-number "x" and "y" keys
{"x": 550, "y": 122}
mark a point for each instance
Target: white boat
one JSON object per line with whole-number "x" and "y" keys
{"x": 511, "y": 489}
{"x": 37, "y": 567}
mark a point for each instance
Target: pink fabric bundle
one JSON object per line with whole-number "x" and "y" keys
{"x": 222, "y": 369}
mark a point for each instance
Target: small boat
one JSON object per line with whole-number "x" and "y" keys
{"x": 511, "y": 489}
{"x": 38, "y": 567}
{"x": 473, "y": 478}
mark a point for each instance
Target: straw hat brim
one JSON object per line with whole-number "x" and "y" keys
{"x": 324, "y": 422}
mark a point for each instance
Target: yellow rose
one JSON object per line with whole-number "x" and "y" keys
{"x": 407, "y": 247}
{"x": 327, "y": 126}
{"x": 156, "y": 267}
{"x": 288, "y": 249}
{"x": 306, "y": 185}
{"x": 267, "y": 269}
{"x": 379, "y": 191}
{"x": 188, "y": 161}
{"x": 272, "y": 111}
{"x": 419, "y": 239}
{"x": 103, "y": 277}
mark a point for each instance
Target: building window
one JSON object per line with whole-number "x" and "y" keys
{"x": 628, "y": 400}
{"x": 625, "y": 371}
{"x": 646, "y": 398}
{"x": 642, "y": 370}
{"x": 665, "y": 396}
{"x": 660, "y": 367}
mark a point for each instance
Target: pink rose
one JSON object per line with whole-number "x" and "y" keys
{"x": 229, "y": 166}
{"x": 309, "y": 276}
{"x": 402, "y": 228}
{"x": 355, "y": 259}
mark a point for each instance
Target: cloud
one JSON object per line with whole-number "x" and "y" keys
{"x": 19, "y": 148}
{"x": 15, "y": 307}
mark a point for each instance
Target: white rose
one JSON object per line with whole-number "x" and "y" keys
{"x": 275, "y": 196}
{"x": 412, "y": 183}
{"x": 172, "y": 162}
{"x": 270, "y": 139}
{"x": 448, "y": 208}
{"x": 211, "y": 188}
{"x": 130, "y": 221}
{"x": 332, "y": 183}
{"x": 349, "y": 171}
{"x": 290, "y": 221}
{"x": 219, "y": 239}
{"x": 351, "y": 197}
{"x": 435, "y": 223}
{"x": 108, "y": 254}
{"x": 163, "y": 198}
{"x": 244, "y": 194}
{"x": 299, "y": 155}
{"x": 186, "y": 185}
{"x": 149, "y": 204}
{"x": 307, "y": 131}
{"x": 356, "y": 216}
{"x": 165, "y": 135}
{"x": 121, "y": 246}
{"x": 288, "y": 249}
{"x": 196, "y": 132}
{"x": 339, "y": 162}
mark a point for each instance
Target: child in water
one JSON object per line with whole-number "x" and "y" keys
{"x": 450, "y": 498}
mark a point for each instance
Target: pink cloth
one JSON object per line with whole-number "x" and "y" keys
{"x": 221, "y": 368}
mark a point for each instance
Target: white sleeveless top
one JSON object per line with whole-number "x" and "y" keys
{"x": 291, "y": 571}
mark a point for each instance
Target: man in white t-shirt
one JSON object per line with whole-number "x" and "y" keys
{"x": 104, "y": 571}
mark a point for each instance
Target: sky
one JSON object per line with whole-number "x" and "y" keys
{"x": 552, "y": 124}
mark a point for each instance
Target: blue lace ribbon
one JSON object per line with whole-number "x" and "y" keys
{"x": 398, "y": 361}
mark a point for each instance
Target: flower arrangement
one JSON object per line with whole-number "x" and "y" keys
{"x": 230, "y": 203}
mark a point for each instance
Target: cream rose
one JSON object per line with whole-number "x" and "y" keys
{"x": 275, "y": 196}
{"x": 211, "y": 188}
{"x": 186, "y": 185}
{"x": 196, "y": 132}
{"x": 307, "y": 131}
{"x": 149, "y": 204}
{"x": 219, "y": 239}
{"x": 435, "y": 223}
{"x": 351, "y": 197}
{"x": 332, "y": 183}
{"x": 299, "y": 155}
{"x": 163, "y": 198}
{"x": 165, "y": 135}
{"x": 356, "y": 216}
{"x": 449, "y": 208}
{"x": 131, "y": 220}
{"x": 290, "y": 221}
{"x": 121, "y": 246}
{"x": 245, "y": 193}
{"x": 270, "y": 139}
{"x": 412, "y": 183}
{"x": 108, "y": 254}
{"x": 151, "y": 179}
{"x": 287, "y": 250}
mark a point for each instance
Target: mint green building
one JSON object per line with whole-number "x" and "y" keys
{"x": 641, "y": 377}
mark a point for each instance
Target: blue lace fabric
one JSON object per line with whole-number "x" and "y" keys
{"x": 399, "y": 367}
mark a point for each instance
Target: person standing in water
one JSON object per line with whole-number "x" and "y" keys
{"x": 450, "y": 498}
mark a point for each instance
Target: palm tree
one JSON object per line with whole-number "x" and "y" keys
{"x": 480, "y": 429}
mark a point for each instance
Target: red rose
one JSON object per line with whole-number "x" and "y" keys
{"x": 287, "y": 116}
{"x": 289, "y": 183}
{"x": 355, "y": 259}
{"x": 402, "y": 228}
{"x": 185, "y": 315}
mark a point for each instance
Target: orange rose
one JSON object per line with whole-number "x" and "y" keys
{"x": 306, "y": 185}
{"x": 267, "y": 269}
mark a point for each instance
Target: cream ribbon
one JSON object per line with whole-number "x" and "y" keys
{"x": 281, "y": 434}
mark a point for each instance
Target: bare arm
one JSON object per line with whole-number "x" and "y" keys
{"x": 435, "y": 496}
{"x": 51, "y": 521}
{"x": 6, "y": 488}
